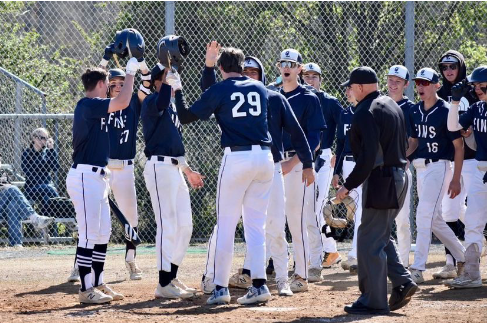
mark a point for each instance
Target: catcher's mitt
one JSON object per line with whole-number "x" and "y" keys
{"x": 336, "y": 222}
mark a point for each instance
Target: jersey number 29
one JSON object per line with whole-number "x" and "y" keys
{"x": 253, "y": 98}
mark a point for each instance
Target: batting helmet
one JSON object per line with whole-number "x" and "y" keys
{"x": 171, "y": 50}
{"x": 129, "y": 42}
{"x": 115, "y": 72}
{"x": 478, "y": 75}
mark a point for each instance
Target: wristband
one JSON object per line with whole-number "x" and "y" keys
{"x": 103, "y": 62}
{"x": 145, "y": 77}
{"x": 143, "y": 66}
{"x": 144, "y": 89}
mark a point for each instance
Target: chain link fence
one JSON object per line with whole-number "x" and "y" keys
{"x": 72, "y": 35}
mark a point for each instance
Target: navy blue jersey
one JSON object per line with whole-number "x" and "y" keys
{"x": 331, "y": 109}
{"x": 306, "y": 108}
{"x": 161, "y": 126}
{"x": 429, "y": 127}
{"x": 476, "y": 116}
{"x": 122, "y": 130}
{"x": 90, "y": 132}
{"x": 343, "y": 140}
{"x": 405, "y": 104}
{"x": 240, "y": 108}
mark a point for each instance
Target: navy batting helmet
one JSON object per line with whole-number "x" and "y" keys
{"x": 173, "y": 48}
{"x": 478, "y": 75}
{"x": 115, "y": 72}
{"x": 129, "y": 42}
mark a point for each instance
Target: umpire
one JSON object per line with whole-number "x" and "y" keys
{"x": 378, "y": 142}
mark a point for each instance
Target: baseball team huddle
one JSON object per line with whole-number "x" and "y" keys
{"x": 277, "y": 168}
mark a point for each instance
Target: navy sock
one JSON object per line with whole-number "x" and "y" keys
{"x": 257, "y": 283}
{"x": 84, "y": 260}
{"x": 174, "y": 271}
{"x": 218, "y": 287}
{"x": 246, "y": 271}
{"x": 164, "y": 278}
{"x": 99, "y": 254}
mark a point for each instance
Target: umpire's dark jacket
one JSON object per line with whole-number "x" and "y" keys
{"x": 377, "y": 119}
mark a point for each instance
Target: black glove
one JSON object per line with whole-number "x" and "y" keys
{"x": 108, "y": 52}
{"x": 459, "y": 90}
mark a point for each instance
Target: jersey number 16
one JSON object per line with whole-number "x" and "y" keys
{"x": 253, "y": 98}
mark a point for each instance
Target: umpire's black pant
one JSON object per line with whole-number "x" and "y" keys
{"x": 377, "y": 256}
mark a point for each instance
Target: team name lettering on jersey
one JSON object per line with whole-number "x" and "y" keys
{"x": 480, "y": 125}
{"x": 117, "y": 121}
{"x": 346, "y": 128}
{"x": 425, "y": 131}
{"x": 103, "y": 125}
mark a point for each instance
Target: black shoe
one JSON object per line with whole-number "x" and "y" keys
{"x": 401, "y": 295}
{"x": 360, "y": 309}
{"x": 270, "y": 267}
{"x": 353, "y": 270}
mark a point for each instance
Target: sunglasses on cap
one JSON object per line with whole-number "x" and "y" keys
{"x": 289, "y": 64}
{"x": 419, "y": 82}
{"x": 445, "y": 67}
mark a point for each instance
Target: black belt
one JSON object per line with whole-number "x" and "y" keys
{"x": 427, "y": 161}
{"x": 289, "y": 154}
{"x": 130, "y": 162}
{"x": 174, "y": 161}
{"x": 349, "y": 158}
{"x": 93, "y": 169}
{"x": 247, "y": 148}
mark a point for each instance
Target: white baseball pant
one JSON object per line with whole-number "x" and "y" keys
{"x": 122, "y": 184}
{"x": 172, "y": 210}
{"x": 88, "y": 189}
{"x": 356, "y": 195}
{"x": 432, "y": 182}
{"x": 403, "y": 224}
{"x": 476, "y": 215}
{"x": 244, "y": 184}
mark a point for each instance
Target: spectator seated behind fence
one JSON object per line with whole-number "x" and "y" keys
{"x": 38, "y": 161}
{"x": 14, "y": 207}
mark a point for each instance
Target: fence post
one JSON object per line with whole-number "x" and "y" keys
{"x": 409, "y": 33}
{"x": 17, "y": 130}
{"x": 170, "y": 10}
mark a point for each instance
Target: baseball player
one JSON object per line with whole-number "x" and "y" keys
{"x": 476, "y": 217}
{"x": 434, "y": 148}
{"x": 168, "y": 190}
{"x": 87, "y": 182}
{"x": 397, "y": 82}
{"x": 280, "y": 117}
{"x": 453, "y": 70}
{"x": 344, "y": 166}
{"x": 299, "y": 197}
{"x": 245, "y": 178}
{"x": 323, "y": 250}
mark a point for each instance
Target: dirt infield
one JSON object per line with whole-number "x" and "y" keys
{"x": 33, "y": 288}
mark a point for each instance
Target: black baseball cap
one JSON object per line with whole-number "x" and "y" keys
{"x": 361, "y": 75}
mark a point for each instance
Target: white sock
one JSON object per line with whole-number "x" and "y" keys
{"x": 449, "y": 260}
{"x": 130, "y": 256}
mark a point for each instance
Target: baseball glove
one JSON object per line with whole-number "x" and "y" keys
{"x": 336, "y": 222}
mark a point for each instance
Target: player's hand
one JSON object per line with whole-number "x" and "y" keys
{"x": 107, "y": 55}
{"x": 335, "y": 180}
{"x": 459, "y": 90}
{"x": 50, "y": 143}
{"x": 212, "y": 51}
{"x": 454, "y": 189}
{"x": 174, "y": 80}
{"x": 333, "y": 161}
{"x": 286, "y": 167}
{"x": 467, "y": 133}
{"x": 132, "y": 66}
{"x": 195, "y": 179}
{"x": 342, "y": 193}
{"x": 308, "y": 176}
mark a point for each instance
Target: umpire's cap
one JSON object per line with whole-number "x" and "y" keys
{"x": 479, "y": 75}
{"x": 427, "y": 74}
{"x": 311, "y": 67}
{"x": 115, "y": 72}
{"x": 361, "y": 75}
{"x": 173, "y": 48}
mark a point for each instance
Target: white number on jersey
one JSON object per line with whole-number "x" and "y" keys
{"x": 432, "y": 147}
{"x": 253, "y": 98}
{"x": 125, "y": 136}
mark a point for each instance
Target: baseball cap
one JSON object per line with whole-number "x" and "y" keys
{"x": 291, "y": 55}
{"x": 449, "y": 59}
{"x": 250, "y": 62}
{"x": 399, "y": 71}
{"x": 361, "y": 75}
{"x": 311, "y": 67}
{"x": 427, "y": 74}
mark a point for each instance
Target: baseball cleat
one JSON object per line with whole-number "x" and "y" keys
{"x": 239, "y": 280}
{"x": 74, "y": 276}
{"x": 464, "y": 281}
{"x": 401, "y": 295}
{"x": 207, "y": 285}
{"x": 255, "y": 295}
{"x": 93, "y": 296}
{"x": 134, "y": 270}
{"x": 314, "y": 275}
{"x": 270, "y": 267}
{"x": 417, "y": 276}
{"x": 349, "y": 262}
{"x": 221, "y": 296}
{"x": 183, "y": 286}
{"x": 330, "y": 259}
{"x": 40, "y": 221}
{"x": 283, "y": 288}
{"x": 353, "y": 270}
{"x": 447, "y": 272}
{"x": 298, "y": 284}
{"x": 484, "y": 249}
{"x": 107, "y": 290}
{"x": 171, "y": 291}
